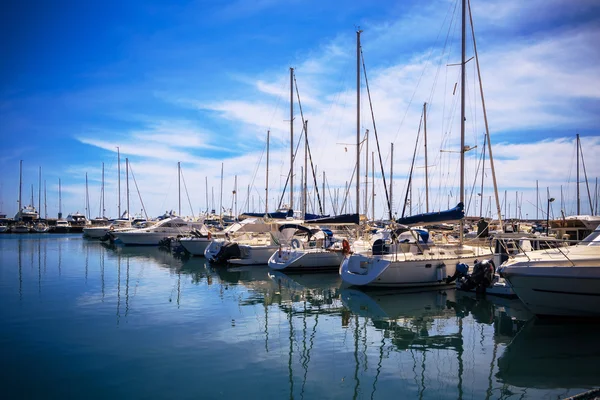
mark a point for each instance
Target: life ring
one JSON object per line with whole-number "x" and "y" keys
{"x": 345, "y": 246}
{"x": 209, "y": 235}
{"x": 295, "y": 244}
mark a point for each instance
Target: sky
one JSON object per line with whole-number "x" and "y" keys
{"x": 202, "y": 82}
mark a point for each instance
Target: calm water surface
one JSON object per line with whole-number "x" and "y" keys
{"x": 83, "y": 320}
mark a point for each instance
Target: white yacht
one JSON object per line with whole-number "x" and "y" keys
{"x": 62, "y": 226}
{"x": 317, "y": 251}
{"x": 561, "y": 281}
{"x": 151, "y": 236}
{"x": 20, "y": 227}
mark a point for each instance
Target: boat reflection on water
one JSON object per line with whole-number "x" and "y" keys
{"x": 552, "y": 355}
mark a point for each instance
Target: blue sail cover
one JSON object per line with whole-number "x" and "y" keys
{"x": 309, "y": 217}
{"x": 454, "y": 214}
{"x": 272, "y": 215}
{"x": 337, "y": 220}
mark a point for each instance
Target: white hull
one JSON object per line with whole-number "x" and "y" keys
{"x": 19, "y": 229}
{"x": 3, "y": 229}
{"x": 557, "y": 291}
{"x": 213, "y": 249}
{"x": 417, "y": 271}
{"x": 96, "y": 232}
{"x": 145, "y": 238}
{"x": 255, "y": 255}
{"x": 306, "y": 260}
{"x": 194, "y": 245}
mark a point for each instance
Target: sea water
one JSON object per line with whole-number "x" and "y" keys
{"x": 80, "y": 319}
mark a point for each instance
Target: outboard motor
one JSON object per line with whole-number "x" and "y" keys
{"x": 378, "y": 247}
{"x": 228, "y": 251}
{"x": 481, "y": 278}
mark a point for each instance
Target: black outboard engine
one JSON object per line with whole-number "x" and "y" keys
{"x": 481, "y": 278}
{"x": 228, "y": 251}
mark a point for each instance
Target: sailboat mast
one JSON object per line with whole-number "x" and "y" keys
{"x": 304, "y": 187}
{"x": 462, "y": 113}
{"x": 20, "y": 188}
{"x": 358, "y": 32}
{"x": 102, "y": 193}
{"x": 40, "y": 193}
{"x": 373, "y": 185}
{"x": 487, "y": 129}
{"x": 482, "y": 176}
{"x": 291, "y": 138}
{"x": 127, "y": 187}
{"x": 45, "y": 202}
{"x": 179, "y": 186}
{"x": 119, "y": 179}
{"x": 87, "y": 198}
{"x": 325, "y": 203}
{"x": 392, "y": 179}
{"x": 221, "y": 199}
{"x": 537, "y": 199}
{"x": 206, "y": 184}
{"x": 425, "y": 146}
{"x": 578, "y": 195}
{"x": 267, "y": 179}
{"x": 235, "y": 209}
{"x": 366, "y": 173}
{"x": 59, "y": 201}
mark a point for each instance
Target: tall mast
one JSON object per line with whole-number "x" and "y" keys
{"x": 59, "y": 201}
{"x": 119, "y": 179}
{"x": 425, "y": 145}
{"x": 20, "y": 188}
{"x": 235, "y": 209}
{"x": 127, "y": 187}
{"x": 373, "y": 185}
{"x": 537, "y": 199}
{"x": 102, "y": 192}
{"x": 304, "y": 187}
{"x": 206, "y": 183}
{"x": 45, "y": 202}
{"x": 179, "y": 186}
{"x": 325, "y": 203}
{"x": 487, "y": 129}
{"x": 367, "y": 173}
{"x": 221, "y": 199}
{"x": 40, "y": 194}
{"x": 87, "y": 198}
{"x": 32, "y": 202}
{"x": 291, "y": 138}
{"x": 482, "y": 176}
{"x": 462, "y": 112}
{"x": 392, "y": 179}
{"x": 578, "y": 196}
{"x": 358, "y": 121}
{"x": 267, "y": 179}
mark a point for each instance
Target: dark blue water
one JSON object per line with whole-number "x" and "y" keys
{"x": 82, "y": 320}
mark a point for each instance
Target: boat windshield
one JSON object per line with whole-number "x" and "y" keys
{"x": 593, "y": 239}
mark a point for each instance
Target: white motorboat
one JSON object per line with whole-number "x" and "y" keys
{"x": 62, "y": 226}
{"x": 561, "y": 281}
{"x": 20, "y": 227}
{"x": 3, "y": 228}
{"x": 151, "y": 236}
{"x": 417, "y": 262}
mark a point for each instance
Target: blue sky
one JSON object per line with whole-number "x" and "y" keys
{"x": 201, "y": 82}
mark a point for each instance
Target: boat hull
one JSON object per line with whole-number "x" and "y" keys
{"x": 19, "y": 229}
{"x": 95, "y": 232}
{"x": 195, "y": 246}
{"x": 557, "y": 291}
{"x": 255, "y": 255}
{"x": 306, "y": 260}
{"x": 144, "y": 238}
{"x": 360, "y": 270}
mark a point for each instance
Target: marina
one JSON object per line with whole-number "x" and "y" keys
{"x": 94, "y": 320}
{"x": 258, "y": 200}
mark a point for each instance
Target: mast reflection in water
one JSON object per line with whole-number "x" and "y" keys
{"x": 83, "y": 319}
